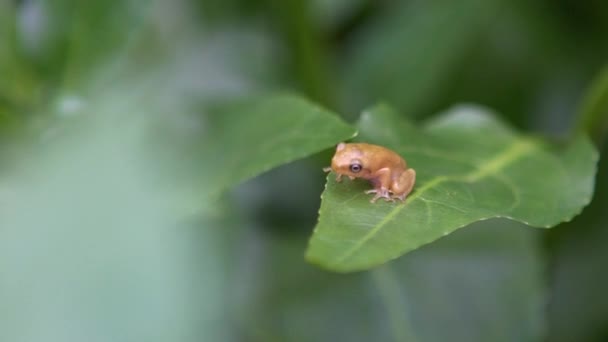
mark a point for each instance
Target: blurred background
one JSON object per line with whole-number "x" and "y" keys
{"x": 97, "y": 244}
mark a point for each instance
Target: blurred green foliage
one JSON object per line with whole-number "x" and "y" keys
{"x": 105, "y": 104}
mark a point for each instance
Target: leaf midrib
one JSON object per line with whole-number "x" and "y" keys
{"x": 492, "y": 167}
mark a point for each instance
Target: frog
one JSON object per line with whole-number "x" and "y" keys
{"x": 385, "y": 169}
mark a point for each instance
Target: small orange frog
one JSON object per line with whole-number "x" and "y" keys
{"x": 385, "y": 169}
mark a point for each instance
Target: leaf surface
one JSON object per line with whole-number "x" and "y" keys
{"x": 469, "y": 166}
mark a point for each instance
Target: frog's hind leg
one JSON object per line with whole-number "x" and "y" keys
{"x": 404, "y": 184}
{"x": 381, "y": 182}
{"x": 380, "y": 193}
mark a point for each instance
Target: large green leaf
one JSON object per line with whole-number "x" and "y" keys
{"x": 470, "y": 167}
{"x": 244, "y": 139}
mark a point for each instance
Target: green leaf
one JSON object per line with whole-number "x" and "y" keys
{"x": 593, "y": 114}
{"x": 242, "y": 140}
{"x": 470, "y": 167}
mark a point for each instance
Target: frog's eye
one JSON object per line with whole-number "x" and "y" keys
{"x": 355, "y": 166}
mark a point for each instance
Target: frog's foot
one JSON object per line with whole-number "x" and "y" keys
{"x": 380, "y": 193}
{"x": 400, "y": 197}
{"x": 329, "y": 169}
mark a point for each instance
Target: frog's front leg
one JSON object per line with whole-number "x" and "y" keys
{"x": 381, "y": 181}
{"x": 403, "y": 185}
{"x": 338, "y": 176}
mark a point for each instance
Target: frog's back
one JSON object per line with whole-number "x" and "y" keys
{"x": 379, "y": 155}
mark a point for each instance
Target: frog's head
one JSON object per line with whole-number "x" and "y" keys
{"x": 348, "y": 161}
